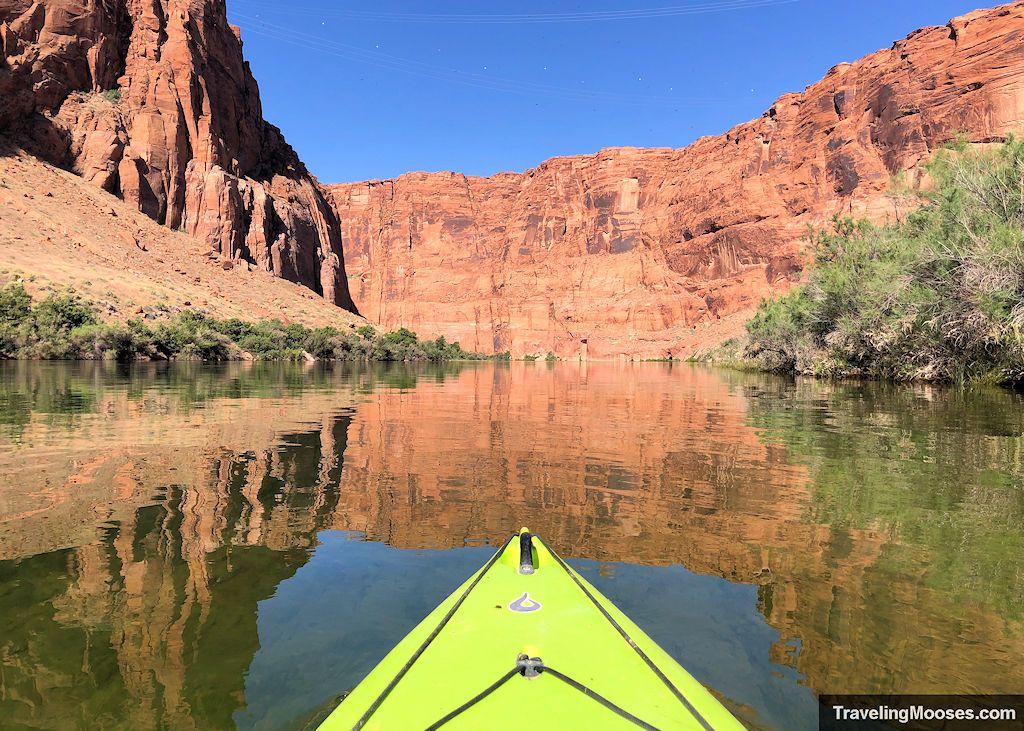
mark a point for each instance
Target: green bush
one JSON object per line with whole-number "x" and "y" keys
{"x": 170, "y": 338}
{"x": 234, "y": 328}
{"x": 938, "y": 297}
{"x": 65, "y": 327}
{"x": 89, "y": 342}
{"x": 9, "y": 343}
{"x": 323, "y": 343}
{"x": 15, "y": 304}
{"x": 210, "y": 345}
{"x": 62, "y": 313}
{"x": 294, "y": 336}
{"x": 402, "y": 337}
{"x": 384, "y": 349}
{"x": 262, "y": 342}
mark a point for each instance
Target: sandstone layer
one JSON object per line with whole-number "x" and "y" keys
{"x": 653, "y": 252}
{"x": 152, "y": 100}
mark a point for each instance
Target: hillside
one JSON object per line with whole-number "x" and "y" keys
{"x": 154, "y": 102}
{"x": 57, "y": 231}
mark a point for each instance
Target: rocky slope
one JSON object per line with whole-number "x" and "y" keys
{"x": 152, "y": 100}
{"x": 649, "y": 253}
{"x": 59, "y": 231}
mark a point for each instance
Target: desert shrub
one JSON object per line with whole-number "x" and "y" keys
{"x": 401, "y": 337}
{"x": 939, "y": 296}
{"x": 65, "y": 327}
{"x": 15, "y": 304}
{"x": 58, "y": 347}
{"x": 295, "y": 335}
{"x": 62, "y": 313}
{"x": 285, "y": 354}
{"x": 234, "y": 328}
{"x": 131, "y": 342}
{"x": 193, "y": 321}
{"x": 260, "y": 343}
{"x": 169, "y": 339}
{"x": 9, "y": 344}
{"x": 89, "y": 342}
{"x": 323, "y": 343}
{"x": 209, "y": 345}
{"x": 357, "y": 348}
{"x": 386, "y": 350}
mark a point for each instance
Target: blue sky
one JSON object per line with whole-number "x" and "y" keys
{"x": 373, "y": 90}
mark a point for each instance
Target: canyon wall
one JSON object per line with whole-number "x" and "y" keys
{"x": 656, "y": 252}
{"x": 152, "y": 100}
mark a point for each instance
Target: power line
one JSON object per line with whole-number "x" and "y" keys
{"x": 257, "y": 26}
{"x": 698, "y": 8}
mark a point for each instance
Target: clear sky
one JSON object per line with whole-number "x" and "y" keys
{"x": 375, "y": 89}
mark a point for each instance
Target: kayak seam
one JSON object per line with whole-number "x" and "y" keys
{"x": 437, "y": 630}
{"x": 625, "y": 635}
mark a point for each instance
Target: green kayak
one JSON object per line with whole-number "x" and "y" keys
{"x": 527, "y": 641}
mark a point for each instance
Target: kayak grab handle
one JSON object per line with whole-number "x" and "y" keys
{"x": 526, "y": 553}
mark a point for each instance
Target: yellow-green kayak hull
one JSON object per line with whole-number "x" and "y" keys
{"x": 544, "y": 649}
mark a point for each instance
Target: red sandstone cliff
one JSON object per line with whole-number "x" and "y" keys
{"x": 185, "y": 140}
{"x": 643, "y": 252}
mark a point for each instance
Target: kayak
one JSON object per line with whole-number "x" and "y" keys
{"x": 528, "y": 641}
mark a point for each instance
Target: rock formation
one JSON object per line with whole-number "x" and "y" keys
{"x": 152, "y": 100}
{"x": 648, "y": 253}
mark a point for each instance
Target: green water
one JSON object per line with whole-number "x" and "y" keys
{"x": 218, "y": 547}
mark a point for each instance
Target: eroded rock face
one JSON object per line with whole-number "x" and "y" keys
{"x": 179, "y": 130}
{"x": 647, "y": 253}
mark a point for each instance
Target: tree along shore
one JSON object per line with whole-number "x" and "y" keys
{"x": 63, "y": 327}
{"x": 938, "y": 296}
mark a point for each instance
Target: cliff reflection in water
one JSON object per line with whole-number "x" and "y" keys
{"x": 140, "y": 527}
{"x": 883, "y": 526}
{"x": 145, "y": 515}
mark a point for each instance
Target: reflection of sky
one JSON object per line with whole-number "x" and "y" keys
{"x": 713, "y": 628}
{"x": 326, "y": 627}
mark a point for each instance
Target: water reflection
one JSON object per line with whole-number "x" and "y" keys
{"x": 170, "y": 554}
{"x": 148, "y": 617}
{"x": 919, "y": 493}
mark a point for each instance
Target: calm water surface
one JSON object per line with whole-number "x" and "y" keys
{"x": 218, "y": 547}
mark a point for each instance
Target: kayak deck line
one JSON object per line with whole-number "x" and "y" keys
{"x": 528, "y": 605}
{"x": 531, "y": 667}
{"x": 650, "y": 663}
{"x": 426, "y": 643}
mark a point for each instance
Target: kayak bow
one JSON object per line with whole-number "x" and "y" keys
{"x": 527, "y": 639}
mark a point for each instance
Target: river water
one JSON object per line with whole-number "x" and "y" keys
{"x": 187, "y": 546}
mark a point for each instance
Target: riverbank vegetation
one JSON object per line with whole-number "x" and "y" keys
{"x": 939, "y": 296}
{"x": 63, "y": 327}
